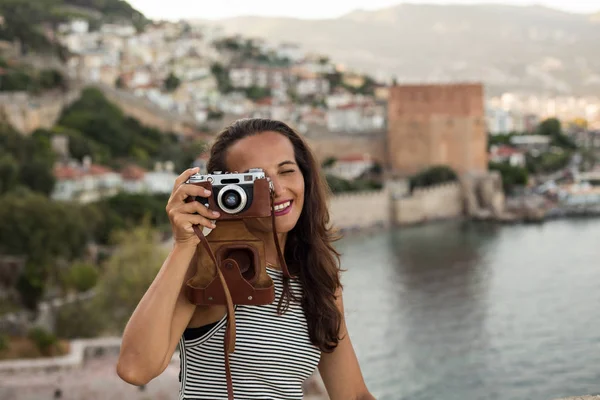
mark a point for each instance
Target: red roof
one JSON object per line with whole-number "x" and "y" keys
{"x": 355, "y": 158}
{"x": 133, "y": 173}
{"x": 99, "y": 170}
{"x": 505, "y": 151}
{"x": 266, "y": 101}
{"x": 66, "y": 172}
{"x": 348, "y": 106}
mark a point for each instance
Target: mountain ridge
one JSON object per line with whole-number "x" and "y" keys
{"x": 533, "y": 49}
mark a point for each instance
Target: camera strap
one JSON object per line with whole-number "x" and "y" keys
{"x": 230, "y": 330}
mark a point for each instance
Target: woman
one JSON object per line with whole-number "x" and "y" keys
{"x": 294, "y": 336}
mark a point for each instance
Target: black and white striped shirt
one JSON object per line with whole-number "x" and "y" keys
{"x": 273, "y": 354}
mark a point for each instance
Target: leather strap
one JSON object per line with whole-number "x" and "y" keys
{"x": 230, "y": 331}
{"x": 229, "y": 341}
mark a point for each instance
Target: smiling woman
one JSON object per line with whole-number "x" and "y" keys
{"x": 278, "y": 345}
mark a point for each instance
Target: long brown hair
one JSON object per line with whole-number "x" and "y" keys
{"x": 308, "y": 251}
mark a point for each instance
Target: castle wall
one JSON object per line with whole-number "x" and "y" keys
{"x": 361, "y": 210}
{"x": 439, "y": 202}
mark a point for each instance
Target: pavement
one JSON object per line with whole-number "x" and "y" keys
{"x": 98, "y": 380}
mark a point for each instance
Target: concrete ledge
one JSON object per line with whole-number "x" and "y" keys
{"x": 582, "y": 398}
{"x": 80, "y": 350}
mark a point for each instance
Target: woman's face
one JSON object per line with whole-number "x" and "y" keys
{"x": 273, "y": 153}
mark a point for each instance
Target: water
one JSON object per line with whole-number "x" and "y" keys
{"x": 462, "y": 311}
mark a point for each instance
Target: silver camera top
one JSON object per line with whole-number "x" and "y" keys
{"x": 220, "y": 178}
{"x": 232, "y": 190}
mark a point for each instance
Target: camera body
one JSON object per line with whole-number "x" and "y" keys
{"x": 236, "y": 195}
{"x": 231, "y": 249}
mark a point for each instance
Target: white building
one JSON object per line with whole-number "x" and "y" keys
{"x": 314, "y": 86}
{"x": 354, "y": 118}
{"x": 351, "y": 167}
{"x": 84, "y": 182}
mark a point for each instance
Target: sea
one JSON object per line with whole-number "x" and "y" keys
{"x": 476, "y": 311}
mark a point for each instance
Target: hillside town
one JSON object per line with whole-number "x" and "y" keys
{"x": 197, "y": 70}
{"x": 206, "y": 78}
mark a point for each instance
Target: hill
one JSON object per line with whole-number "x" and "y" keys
{"x": 533, "y": 49}
{"x": 31, "y": 22}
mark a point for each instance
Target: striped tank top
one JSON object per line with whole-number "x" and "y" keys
{"x": 273, "y": 353}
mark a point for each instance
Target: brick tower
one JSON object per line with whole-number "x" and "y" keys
{"x": 437, "y": 125}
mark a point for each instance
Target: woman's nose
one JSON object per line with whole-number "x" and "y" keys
{"x": 277, "y": 187}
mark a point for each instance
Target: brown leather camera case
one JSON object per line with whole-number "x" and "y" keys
{"x": 234, "y": 245}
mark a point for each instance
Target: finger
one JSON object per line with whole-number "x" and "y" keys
{"x": 196, "y": 207}
{"x": 187, "y": 221}
{"x": 185, "y": 175}
{"x": 184, "y": 191}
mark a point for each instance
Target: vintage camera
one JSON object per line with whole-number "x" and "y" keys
{"x": 231, "y": 250}
{"x": 236, "y": 195}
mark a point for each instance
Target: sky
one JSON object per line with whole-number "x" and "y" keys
{"x": 312, "y": 9}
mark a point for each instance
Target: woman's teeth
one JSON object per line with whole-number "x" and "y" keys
{"x": 282, "y": 206}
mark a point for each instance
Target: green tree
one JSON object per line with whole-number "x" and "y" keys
{"x": 171, "y": 83}
{"x": 3, "y": 342}
{"x": 328, "y": 162}
{"x": 34, "y": 158}
{"x": 98, "y": 127}
{"x": 16, "y": 81}
{"x": 83, "y": 319}
{"x": 553, "y": 128}
{"x": 80, "y": 277}
{"x": 550, "y": 127}
{"x": 257, "y": 93}
{"x": 46, "y": 233}
{"x": 129, "y": 272}
{"x": 9, "y": 173}
{"x": 51, "y": 78}
{"x": 512, "y": 176}
{"x": 339, "y": 185}
{"x": 221, "y": 74}
{"x": 335, "y": 79}
{"x": 500, "y": 139}
{"x": 43, "y": 339}
{"x": 433, "y": 176}
{"x": 38, "y": 175}
{"x": 81, "y": 146}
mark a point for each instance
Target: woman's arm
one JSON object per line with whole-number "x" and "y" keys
{"x": 163, "y": 313}
{"x": 340, "y": 370}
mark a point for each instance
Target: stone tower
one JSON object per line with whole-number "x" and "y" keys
{"x": 437, "y": 125}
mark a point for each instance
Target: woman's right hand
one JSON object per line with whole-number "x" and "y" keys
{"x": 184, "y": 216}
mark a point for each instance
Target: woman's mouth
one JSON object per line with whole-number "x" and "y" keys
{"x": 283, "y": 208}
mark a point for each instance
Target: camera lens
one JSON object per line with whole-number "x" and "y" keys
{"x": 231, "y": 199}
